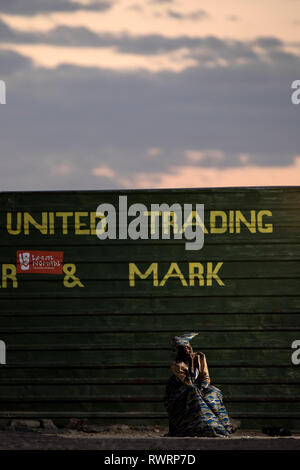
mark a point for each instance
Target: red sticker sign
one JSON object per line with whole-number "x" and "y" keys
{"x": 39, "y": 262}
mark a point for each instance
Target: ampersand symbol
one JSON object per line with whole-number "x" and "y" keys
{"x": 70, "y": 280}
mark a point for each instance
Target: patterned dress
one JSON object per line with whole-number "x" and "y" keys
{"x": 195, "y": 408}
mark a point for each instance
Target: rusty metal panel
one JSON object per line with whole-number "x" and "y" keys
{"x": 86, "y": 324}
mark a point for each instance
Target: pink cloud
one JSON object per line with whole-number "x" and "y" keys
{"x": 104, "y": 171}
{"x": 190, "y": 176}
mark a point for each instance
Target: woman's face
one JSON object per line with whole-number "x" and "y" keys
{"x": 188, "y": 349}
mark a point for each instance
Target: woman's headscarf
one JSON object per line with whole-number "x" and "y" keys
{"x": 182, "y": 340}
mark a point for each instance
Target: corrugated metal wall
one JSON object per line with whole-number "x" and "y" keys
{"x": 102, "y": 351}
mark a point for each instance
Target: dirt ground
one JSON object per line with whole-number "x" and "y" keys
{"x": 83, "y": 428}
{"x": 125, "y": 431}
{"x": 124, "y": 437}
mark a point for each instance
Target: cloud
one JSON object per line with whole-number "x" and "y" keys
{"x": 233, "y": 18}
{"x": 62, "y": 168}
{"x": 244, "y": 158}
{"x": 193, "y": 15}
{"x": 200, "y": 155}
{"x": 34, "y": 7}
{"x": 105, "y": 171}
{"x": 11, "y": 62}
{"x": 191, "y": 177}
{"x": 135, "y": 7}
{"x": 268, "y": 42}
{"x": 154, "y": 151}
{"x": 161, "y": 1}
{"x": 206, "y": 51}
{"x": 74, "y": 127}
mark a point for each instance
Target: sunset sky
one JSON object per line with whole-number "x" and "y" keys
{"x": 105, "y": 94}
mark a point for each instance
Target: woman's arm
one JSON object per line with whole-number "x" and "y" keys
{"x": 205, "y": 379}
{"x": 180, "y": 370}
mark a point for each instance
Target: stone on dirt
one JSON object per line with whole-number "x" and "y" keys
{"x": 48, "y": 424}
{"x": 122, "y": 427}
{"x": 24, "y": 424}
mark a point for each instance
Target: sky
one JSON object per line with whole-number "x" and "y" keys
{"x": 116, "y": 94}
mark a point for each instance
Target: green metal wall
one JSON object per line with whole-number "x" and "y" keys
{"x": 102, "y": 351}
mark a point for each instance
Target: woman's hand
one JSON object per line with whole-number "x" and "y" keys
{"x": 203, "y": 387}
{"x": 188, "y": 350}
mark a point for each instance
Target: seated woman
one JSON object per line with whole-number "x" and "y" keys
{"x": 195, "y": 408}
